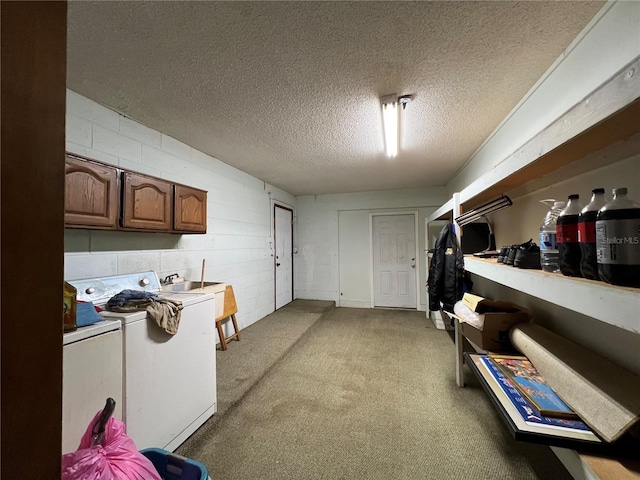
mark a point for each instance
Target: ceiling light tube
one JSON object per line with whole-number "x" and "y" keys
{"x": 390, "y": 121}
{"x": 482, "y": 210}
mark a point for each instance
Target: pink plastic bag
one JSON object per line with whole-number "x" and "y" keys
{"x": 115, "y": 458}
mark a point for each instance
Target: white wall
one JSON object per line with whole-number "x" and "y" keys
{"x": 354, "y": 258}
{"x": 236, "y": 246}
{"x": 608, "y": 43}
{"x": 319, "y": 264}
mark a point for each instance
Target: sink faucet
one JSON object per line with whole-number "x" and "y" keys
{"x": 169, "y": 279}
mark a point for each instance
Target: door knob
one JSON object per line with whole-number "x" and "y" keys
{"x": 277, "y": 264}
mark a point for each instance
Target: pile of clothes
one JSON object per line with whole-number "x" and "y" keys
{"x": 166, "y": 313}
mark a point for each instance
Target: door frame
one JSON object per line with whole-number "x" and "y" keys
{"x": 416, "y": 244}
{"x": 32, "y": 151}
{"x": 284, "y": 206}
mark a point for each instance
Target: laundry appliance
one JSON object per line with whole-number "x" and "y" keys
{"x": 169, "y": 381}
{"x": 91, "y": 372}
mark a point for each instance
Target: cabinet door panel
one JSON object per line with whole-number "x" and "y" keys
{"x": 91, "y": 194}
{"x": 147, "y": 202}
{"x": 190, "y": 210}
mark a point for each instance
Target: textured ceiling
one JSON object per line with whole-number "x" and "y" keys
{"x": 290, "y": 91}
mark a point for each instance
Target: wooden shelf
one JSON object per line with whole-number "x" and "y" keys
{"x": 619, "y": 306}
{"x": 443, "y": 213}
{"x": 607, "y": 116}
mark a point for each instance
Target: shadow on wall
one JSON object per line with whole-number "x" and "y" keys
{"x": 84, "y": 241}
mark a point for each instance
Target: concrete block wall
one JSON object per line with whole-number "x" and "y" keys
{"x": 318, "y": 265}
{"x": 237, "y": 246}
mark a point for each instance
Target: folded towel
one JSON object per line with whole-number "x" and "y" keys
{"x": 86, "y": 314}
{"x": 166, "y": 314}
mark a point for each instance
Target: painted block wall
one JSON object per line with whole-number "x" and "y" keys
{"x": 318, "y": 264}
{"x": 236, "y": 247}
{"x": 608, "y": 43}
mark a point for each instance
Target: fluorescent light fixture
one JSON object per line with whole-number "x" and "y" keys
{"x": 390, "y": 121}
{"x": 483, "y": 210}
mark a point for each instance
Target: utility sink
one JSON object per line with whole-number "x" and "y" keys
{"x": 192, "y": 286}
{"x": 187, "y": 286}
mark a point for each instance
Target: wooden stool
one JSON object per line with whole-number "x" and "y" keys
{"x": 230, "y": 310}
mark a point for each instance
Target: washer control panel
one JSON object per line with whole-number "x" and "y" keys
{"x": 100, "y": 289}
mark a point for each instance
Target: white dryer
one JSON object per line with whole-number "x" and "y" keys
{"x": 91, "y": 373}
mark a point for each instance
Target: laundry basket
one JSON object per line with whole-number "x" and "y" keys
{"x": 175, "y": 467}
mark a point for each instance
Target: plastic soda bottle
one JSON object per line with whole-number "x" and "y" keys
{"x": 618, "y": 240}
{"x": 567, "y": 237}
{"x": 587, "y": 234}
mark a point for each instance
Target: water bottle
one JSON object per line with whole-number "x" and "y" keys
{"x": 567, "y": 237}
{"x": 548, "y": 245}
{"x": 587, "y": 234}
{"x": 618, "y": 240}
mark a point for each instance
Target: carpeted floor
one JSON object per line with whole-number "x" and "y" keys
{"x": 360, "y": 394}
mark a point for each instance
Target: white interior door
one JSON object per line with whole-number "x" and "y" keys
{"x": 394, "y": 261}
{"x": 284, "y": 255}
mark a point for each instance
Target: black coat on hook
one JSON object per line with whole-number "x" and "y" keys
{"x": 446, "y": 282}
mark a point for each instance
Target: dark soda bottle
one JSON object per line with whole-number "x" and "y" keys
{"x": 587, "y": 234}
{"x": 618, "y": 240}
{"x": 567, "y": 238}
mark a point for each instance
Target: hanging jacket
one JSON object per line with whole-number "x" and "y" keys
{"x": 446, "y": 272}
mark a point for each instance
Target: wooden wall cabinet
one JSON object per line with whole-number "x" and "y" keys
{"x": 91, "y": 194}
{"x": 100, "y": 196}
{"x": 190, "y": 209}
{"x": 146, "y": 202}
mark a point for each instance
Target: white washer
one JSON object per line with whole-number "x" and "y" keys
{"x": 169, "y": 385}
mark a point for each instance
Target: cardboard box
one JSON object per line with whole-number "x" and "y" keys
{"x": 483, "y": 305}
{"x": 499, "y": 317}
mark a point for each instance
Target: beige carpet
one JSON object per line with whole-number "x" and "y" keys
{"x": 363, "y": 394}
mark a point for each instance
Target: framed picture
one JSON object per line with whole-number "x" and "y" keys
{"x": 524, "y": 376}
{"x": 524, "y": 421}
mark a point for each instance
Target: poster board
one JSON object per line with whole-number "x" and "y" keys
{"x": 522, "y": 419}
{"x": 525, "y": 377}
